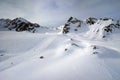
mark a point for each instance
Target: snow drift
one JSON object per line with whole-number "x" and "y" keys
{"x": 78, "y": 50}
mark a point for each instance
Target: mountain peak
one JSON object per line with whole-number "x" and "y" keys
{"x": 73, "y": 23}
{"x": 92, "y": 26}
{"x": 91, "y": 20}
{"x": 19, "y": 24}
{"x": 73, "y": 20}
{"x": 20, "y": 19}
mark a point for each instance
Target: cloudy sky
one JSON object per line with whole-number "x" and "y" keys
{"x": 55, "y": 12}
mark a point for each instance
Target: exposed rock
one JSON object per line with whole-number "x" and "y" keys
{"x": 75, "y": 25}
{"x": 91, "y": 20}
{"x": 5, "y": 22}
{"x": 41, "y": 57}
{"x": 111, "y": 27}
{"x": 106, "y": 19}
{"x": 94, "y": 46}
{"x": 19, "y": 24}
{"x": 66, "y": 28}
{"x": 66, "y": 49}
{"x": 95, "y": 52}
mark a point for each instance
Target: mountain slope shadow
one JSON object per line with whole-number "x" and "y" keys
{"x": 108, "y": 53}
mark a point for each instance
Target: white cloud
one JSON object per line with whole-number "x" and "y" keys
{"x": 54, "y": 12}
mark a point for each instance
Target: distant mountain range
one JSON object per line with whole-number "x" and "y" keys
{"x": 92, "y": 26}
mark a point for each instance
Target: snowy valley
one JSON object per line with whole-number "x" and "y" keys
{"x": 77, "y": 50}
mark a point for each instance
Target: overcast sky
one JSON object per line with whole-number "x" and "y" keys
{"x": 55, "y": 12}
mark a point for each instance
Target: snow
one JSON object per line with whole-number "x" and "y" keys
{"x": 96, "y": 31}
{"x": 64, "y": 56}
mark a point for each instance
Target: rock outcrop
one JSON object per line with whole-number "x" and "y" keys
{"x": 19, "y": 24}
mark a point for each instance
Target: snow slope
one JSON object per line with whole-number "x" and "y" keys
{"x": 57, "y": 56}
{"x": 102, "y": 29}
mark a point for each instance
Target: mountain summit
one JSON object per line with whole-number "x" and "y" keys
{"x": 93, "y": 27}
{"x": 19, "y": 24}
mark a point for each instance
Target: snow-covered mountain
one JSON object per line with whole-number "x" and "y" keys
{"x": 21, "y": 24}
{"x": 93, "y": 27}
{"x": 104, "y": 28}
{"x": 78, "y": 50}
{"x": 73, "y": 25}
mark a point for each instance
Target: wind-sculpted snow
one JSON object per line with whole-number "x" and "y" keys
{"x": 51, "y": 55}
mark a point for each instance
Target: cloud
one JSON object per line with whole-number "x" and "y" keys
{"x": 55, "y": 12}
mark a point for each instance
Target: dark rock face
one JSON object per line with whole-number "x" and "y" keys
{"x": 78, "y": 24}
{"x": 66, "y": 28}
{"x": 70, "y": 21}
{"x": 5, "y": 22}
{"x": 73, "y": 20}
{"x": 111, "y": 27}
{"x": 91, "y": 20}
{"x": 20, "y": 24}
{"x": 106, "y": 19}
{"x": 41, "y": 57}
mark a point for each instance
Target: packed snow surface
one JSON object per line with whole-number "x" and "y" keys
{"x": 57, "y": 56}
